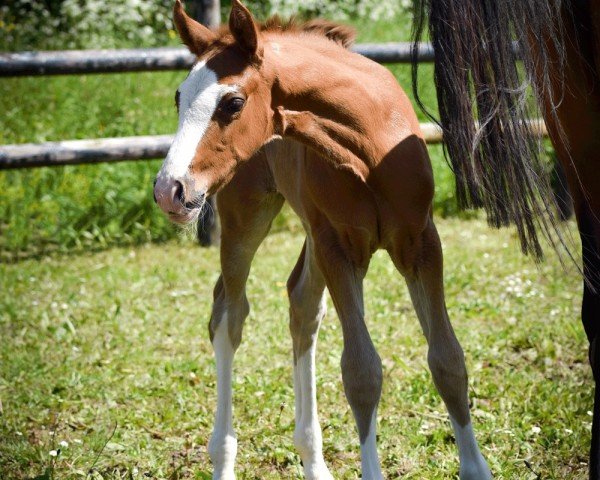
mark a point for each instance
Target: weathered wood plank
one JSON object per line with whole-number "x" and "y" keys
{"x": 94, "y": 61}
{"x": 73, "y": 152}
{"x": 155, "y": 59}
{"x": 207, "y": 12}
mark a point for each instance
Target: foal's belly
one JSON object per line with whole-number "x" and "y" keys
{"x": 395, "y": 204}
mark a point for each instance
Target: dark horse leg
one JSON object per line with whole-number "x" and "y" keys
{"x": 579, "y": 118}
{"x": 589, "y": 229}
{"x": 581, "y": 162}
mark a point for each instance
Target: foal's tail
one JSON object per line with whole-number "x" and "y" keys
{"x": 483, "y": 107}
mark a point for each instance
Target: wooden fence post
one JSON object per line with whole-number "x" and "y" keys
{"x": 208, "y": 12}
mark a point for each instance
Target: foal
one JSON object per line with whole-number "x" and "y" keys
{"x": 283, "y": 111}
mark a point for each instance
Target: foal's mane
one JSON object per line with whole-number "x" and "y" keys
{"x": 341, "y": 34}
{"x": 336, "y": 32}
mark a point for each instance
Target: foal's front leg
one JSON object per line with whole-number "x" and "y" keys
{"x": 225, "y": 330}
{"x": 306, "y": 290}
{"x": 244, "y": 225}
{"x": 230, "y": 309}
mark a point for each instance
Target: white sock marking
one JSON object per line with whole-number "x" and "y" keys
{"x": 222, "y": 447}
{"x": 369, "y": 460}
{"x": 472, "y": 463}
{"x": 307, "y": 434}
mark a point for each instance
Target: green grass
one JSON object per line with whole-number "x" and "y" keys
{"x": 118, "y": 340}
{"x": 113, "y": 337}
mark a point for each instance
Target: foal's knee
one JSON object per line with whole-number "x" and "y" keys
{"x": 448, "y": 364}
{"x": 306, "y": 314}
{"x": 232, "y": 309}
{"x": 307, "y": 309}
{"x": 307, "y": 299}
{"x": 363, "y": 377}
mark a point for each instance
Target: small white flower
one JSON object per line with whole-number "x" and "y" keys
{"x": 535, "y": 429}
{"x": 53, "y": 453}
{"x": 64, "y": 444}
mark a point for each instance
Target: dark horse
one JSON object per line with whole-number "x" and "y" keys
{"x": 496, "y": 160}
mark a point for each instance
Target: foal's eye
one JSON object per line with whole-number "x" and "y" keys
{"x": 234, "y": 105}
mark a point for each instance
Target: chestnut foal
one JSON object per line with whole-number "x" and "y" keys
{"x": 284, "y": 111}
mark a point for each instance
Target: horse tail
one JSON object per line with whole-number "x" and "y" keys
{"x": 484, "y": 103}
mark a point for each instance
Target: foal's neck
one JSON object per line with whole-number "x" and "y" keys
{"x": 333, "y": 100}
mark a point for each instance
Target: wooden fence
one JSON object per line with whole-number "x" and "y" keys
{"x": 72, "y": 152}
{"x": 156, "y": 59}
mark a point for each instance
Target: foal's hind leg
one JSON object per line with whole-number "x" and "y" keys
{"x": 361, "y": 365}
{"x": 445, "y": 356}
{"x": 306, "y": 289}
{"x": 245, "y": 221}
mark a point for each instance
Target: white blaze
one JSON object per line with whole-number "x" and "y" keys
{"x": 199, "y": 95}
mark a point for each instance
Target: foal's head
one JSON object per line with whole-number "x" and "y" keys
{"x": 228, "y": 104}
{"x": 225, "y": 112}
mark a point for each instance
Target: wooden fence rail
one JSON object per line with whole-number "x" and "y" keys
{"x": 75, "y": 152}
{"x": 156, "y": 59}
{"x": 72, "y": 152}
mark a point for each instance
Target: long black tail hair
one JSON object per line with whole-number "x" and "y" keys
{"x": 484, "y": 100}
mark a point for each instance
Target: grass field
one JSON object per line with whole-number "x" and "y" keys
{"x": 112, "y": 348}
{"x": 103, "y": 312}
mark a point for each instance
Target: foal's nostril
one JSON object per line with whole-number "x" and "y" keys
{"x": 196, "y": 202}
{"x": 178, "y": 191}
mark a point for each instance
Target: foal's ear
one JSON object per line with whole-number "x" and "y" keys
{"x": 245, "y": 30}
{"x": 195, "y": 35}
